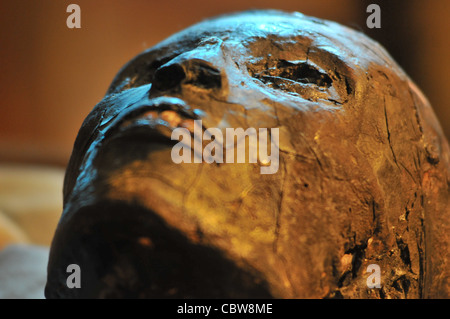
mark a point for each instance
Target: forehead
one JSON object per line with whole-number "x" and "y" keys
{"x": 250, "y": 24}
{"x": 281, "y": 30}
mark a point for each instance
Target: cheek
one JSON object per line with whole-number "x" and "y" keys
{"x": 235, "y": 209}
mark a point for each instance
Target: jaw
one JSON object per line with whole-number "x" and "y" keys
{"x": 127, "y": 251}
{"x": 135, "y": 240}
{"x": 152, "y": 219}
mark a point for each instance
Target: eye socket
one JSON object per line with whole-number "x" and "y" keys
{"x": 306, "y": 73}
{"x": 293, "y": 73}
{"x": 300, "y": 78}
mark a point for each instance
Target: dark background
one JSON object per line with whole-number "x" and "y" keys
{"x": 52, "y": 76}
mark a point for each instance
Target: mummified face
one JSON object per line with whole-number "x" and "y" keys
{"x": 351, "y": 129}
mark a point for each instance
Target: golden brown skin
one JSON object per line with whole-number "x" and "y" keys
{"x": 363, "y": 176}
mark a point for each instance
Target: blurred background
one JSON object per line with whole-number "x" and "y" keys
{"x": 52, "y": 76}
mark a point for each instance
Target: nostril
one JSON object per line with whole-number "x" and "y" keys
{"x": 195, "y": 72}
{"x": 168, "y": 77}
{"x": 205, "y": 76}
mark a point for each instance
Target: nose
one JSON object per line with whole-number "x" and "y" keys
{"x": 196, "y": 72}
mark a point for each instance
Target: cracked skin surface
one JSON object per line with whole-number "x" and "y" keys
{"x": 363, "y": 175}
